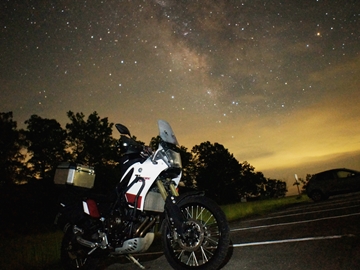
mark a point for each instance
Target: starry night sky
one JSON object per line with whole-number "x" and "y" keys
{"x": 275, "y": 82}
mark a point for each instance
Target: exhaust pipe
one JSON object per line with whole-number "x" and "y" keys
{"x": 147, "y": 227}
{"x": 141, "y": 226}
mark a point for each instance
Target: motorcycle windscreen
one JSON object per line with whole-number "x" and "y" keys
{"x": 166, "y": 133}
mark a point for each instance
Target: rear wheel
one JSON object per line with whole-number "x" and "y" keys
{"x": 206, "y": 239}
{"x": 317, "y": 196}
{"x": 73, "y": 255}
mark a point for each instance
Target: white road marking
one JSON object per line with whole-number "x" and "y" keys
{"x": 319, "y": 205}
{"x": 302, "y": 214}
{"x": 292, "y": 223}
{"x": 292, "y": 240}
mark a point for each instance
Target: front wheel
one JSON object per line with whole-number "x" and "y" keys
{"x": 206, "y": 238}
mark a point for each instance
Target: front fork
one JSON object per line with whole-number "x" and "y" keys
{"x": 163, "y": 191}
{"x": 174, "y": 214}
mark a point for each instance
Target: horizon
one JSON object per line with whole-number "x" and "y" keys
{"x": 276, "y": 83}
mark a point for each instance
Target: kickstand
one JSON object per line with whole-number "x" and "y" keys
{"x": 135, "y": 261}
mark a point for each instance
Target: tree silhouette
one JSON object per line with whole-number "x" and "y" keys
{"x": 275, "y": 188}
{"x": 208, "y": 166}
{"x": 216, "y": 172}
{"x": 251, "y": 183}
{"x": 188, "y": 177}
{"x": 154, "y": 142}
{"x": 10, "y": 146}
{"x": 305, "y": 182}
{"x": 90, "y": 141}
{"x": 45, "y": 140}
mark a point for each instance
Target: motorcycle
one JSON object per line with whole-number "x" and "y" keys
{"x": 193, "y": 229}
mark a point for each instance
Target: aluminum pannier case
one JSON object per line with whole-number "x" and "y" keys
{"x": 74, "y": 174}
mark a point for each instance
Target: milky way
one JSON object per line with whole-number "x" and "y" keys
{"x": 276, "y": 82}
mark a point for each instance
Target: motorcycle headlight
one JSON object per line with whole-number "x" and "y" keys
{"x": 170, "y": 157}
{"x": 173, "y": 158}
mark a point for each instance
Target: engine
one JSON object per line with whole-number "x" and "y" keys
{"x": 121, "y": 227}
{"x": 116, "y": 229}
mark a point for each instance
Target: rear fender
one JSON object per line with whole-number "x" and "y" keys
{"x": 69, "y": 213}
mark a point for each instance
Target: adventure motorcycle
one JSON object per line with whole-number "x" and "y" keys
{"x": 194, "y": 230}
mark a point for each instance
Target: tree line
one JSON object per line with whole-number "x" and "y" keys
{"x": 33, "y": 153}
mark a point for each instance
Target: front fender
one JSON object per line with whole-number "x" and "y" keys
{"x": 173, "y": 212}
{"x": 194, "y": 193}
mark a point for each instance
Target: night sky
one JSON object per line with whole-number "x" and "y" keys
{"x": 275, "y": 82}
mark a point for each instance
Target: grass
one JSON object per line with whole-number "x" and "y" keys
{"x": 258, "y": 208}
{"x": 42, "y": 251}
{"x": 38, "y": 251}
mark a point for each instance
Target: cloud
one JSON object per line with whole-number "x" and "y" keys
{"x": 323, "y": 128}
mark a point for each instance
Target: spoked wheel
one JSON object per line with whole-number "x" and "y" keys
{"x": 73, "y": 255}
{"x": 206, "y": 238}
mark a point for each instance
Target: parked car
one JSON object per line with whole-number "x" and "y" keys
{"x": 332, "y": 182}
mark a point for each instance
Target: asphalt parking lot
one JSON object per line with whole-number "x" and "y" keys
{"x": 322, "y": 235}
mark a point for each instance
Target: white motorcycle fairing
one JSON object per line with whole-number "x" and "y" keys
{"x": 144, "y": 174}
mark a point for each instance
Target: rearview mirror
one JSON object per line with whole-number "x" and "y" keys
{"x": 122, "y": 129}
